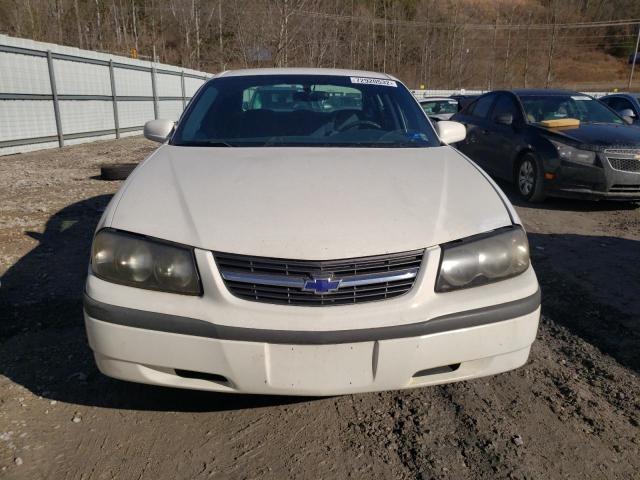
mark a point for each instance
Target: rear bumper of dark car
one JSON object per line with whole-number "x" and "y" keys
{"x": 594, "y": 182}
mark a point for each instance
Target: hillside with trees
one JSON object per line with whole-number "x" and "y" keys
{"x": 436, "y": 43}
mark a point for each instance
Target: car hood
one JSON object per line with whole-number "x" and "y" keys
{"x": 308, "y": 203}
{"x": 597, "y": 135}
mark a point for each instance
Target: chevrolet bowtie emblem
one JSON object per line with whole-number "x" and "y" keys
{"x": 321, "y": 285}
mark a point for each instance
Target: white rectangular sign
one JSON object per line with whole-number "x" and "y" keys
{"x": 374, "y": 81}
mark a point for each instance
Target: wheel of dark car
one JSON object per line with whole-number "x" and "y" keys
{"x": 116, "y": 171}
{"x": 529, "y": 179}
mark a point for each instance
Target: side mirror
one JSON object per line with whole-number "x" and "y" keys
{"x": 450, "y": 132}
{"x": 158, "y": 130}
{"x": 505, "y": 119}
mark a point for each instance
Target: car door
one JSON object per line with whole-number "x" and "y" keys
{"x": 475, "y": 117}
{"x": 503, "y": 138}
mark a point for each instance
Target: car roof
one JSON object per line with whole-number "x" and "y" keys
{"x": 304, "y": 71}
{"x": 543, "y": 91}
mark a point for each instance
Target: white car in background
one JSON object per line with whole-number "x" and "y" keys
{"x": 439, "y": 108}
{"x": 308, "y": 250}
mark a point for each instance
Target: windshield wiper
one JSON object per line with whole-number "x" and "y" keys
{"x": 390, "y": 145}
{"x": 272, "y": 142}
{"x": 206, "y": 143}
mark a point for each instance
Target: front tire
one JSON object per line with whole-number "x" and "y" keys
{"x": 529, "y": 179}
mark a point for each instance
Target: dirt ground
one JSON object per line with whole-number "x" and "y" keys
{"x": 572, "y": 412}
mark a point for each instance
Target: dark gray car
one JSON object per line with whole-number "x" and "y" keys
{"x": 553, "y": 142}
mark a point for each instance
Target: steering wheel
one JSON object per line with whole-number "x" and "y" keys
{"x": 358, "y": 123}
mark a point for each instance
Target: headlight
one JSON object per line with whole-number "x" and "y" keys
{"x": 137, "y": 261}
{"x": 483, "y": 260}
{"x": 572, "y": 154}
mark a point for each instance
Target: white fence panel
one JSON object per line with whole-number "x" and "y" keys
{"x": 74, "y": 78}
{"x": 132, "y": 83}
{"x": 169, "y": 85}
{"x": 133, "y": 114}
{"x": 86, "y": 116}
{"x": 96, "y": 95}
{"x": 24, "y": 74}
{"x": 191, "y": 86}
{"x": 19, "y": 116}
{"x": 170, "y": 109}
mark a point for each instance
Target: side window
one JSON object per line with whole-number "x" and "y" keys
{"x": 482, "y": 106}
{"x": 467, "y": 108}
{"x": 505, "y": 104}
{"x": 619, "y": 103}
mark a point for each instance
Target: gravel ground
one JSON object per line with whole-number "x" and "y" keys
{"x": 572, "y": 412}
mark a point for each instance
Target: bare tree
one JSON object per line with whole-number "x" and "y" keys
{"x": 443, "y": 44}
{"x": 552, "y": 45}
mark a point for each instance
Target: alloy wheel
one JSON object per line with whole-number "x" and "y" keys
{"x": 526, "y": 177}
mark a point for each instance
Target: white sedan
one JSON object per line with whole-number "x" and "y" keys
{"x": 308, "y": 232}
{"x": 439, "y": 108}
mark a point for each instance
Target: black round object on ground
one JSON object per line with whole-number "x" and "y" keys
{"x": 116, "y": 171}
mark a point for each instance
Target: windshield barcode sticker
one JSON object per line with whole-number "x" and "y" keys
{"x": 374, "y": 81}
{"x": 580, "y": 97}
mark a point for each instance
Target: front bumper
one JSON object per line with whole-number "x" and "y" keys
{"x": 594, "y": 182}
{"x": 221, "y": 343}
{"x": 241, "y": 366}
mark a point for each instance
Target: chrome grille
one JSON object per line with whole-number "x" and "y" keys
{"x": 625, "y": 160}
{"x": 280, "y": 281}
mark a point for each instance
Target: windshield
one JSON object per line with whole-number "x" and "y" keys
{"x": 554, "y": 107}
{"x": 438, "y": 107}
{"x": 304, "y": 110}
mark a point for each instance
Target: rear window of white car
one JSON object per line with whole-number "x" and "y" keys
{"x": 439, "y": 107}
{"x": 285, "y": 98}
{"x": 304, "y": 110}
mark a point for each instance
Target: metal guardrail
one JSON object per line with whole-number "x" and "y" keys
{"x": 114, "y": 98}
